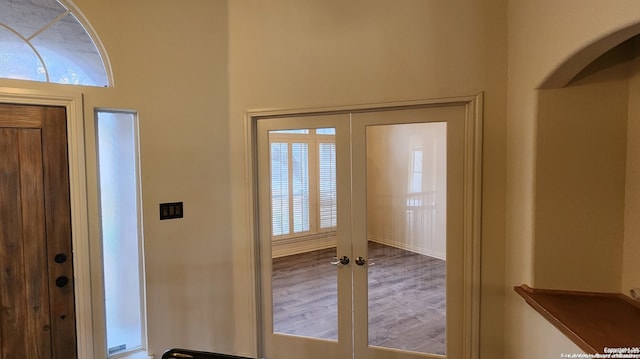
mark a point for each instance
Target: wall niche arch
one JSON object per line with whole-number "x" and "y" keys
{"x": 587, "y": 168}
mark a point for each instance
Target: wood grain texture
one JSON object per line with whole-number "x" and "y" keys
{"x": 36, "y": 305}
{"x": 593, "y": 321}
{"x": 58, "y": 225}
{"x": 23, "y": 116}
{"x": 407, "y": 300}
{"x": 12, "y": 288}
{"x": 304, "y": 288}
{"x": 407, "y": 303}
{"x": 37, "y": 319}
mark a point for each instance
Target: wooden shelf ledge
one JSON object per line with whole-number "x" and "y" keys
{"x": 593, "y": 321}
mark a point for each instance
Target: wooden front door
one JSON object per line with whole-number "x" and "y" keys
{"x": 37, "y": 318}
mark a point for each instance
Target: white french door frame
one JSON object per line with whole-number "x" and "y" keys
{"x": 472, "y": 202}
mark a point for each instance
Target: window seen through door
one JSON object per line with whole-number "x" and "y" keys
{"x": 303, "y": 181}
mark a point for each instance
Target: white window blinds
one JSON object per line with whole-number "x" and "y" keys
{"x": 279, "y": 188}
{"x": 300, "y": 187}
{"x": 327, "y": 185}
{"x": 303, "y": 182}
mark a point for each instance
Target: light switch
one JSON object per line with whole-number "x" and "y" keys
{"x": 171, "y": 210}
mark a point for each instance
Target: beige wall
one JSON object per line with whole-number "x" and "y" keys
{"x": 293, "y": 54}
{"x": 193, "y": 68}
{"x": 169, "y": 61}
{"x": 579, "y": 187}
{"x": 591, "y": 216}
{"x": 542, "y": 35}
{"x": 171, "y": 65}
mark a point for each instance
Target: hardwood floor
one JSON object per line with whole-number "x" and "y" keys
{"x": 407, "y": 303}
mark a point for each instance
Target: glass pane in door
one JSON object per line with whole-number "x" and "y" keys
{"x": 303, "y": 239}
{"x": 406, "y": 233}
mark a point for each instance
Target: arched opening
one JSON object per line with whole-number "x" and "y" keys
{"x": 582, "y": 59}
{"x": 50, "y": 41}
{"x": 587, "y": 188}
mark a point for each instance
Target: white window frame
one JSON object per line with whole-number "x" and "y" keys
{"x": 67, "y": 8}
{"x": 416, "y": 184}
{"x": 101, "y": 347}
{"x": 72, "y": 102}
{"x": 313, "y": 141}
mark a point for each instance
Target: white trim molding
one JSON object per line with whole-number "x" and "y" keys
{"x": 472, "y": 226}
{"x": 472, "y": 203}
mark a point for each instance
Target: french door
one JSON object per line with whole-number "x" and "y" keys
{"x": 367, "y": 225}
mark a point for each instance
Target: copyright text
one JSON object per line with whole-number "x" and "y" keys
{"x": 632, "y": 353}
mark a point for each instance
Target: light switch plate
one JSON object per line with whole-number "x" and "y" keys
{"x": 171, "y": 210}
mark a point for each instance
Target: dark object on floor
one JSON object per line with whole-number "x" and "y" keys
{"x": 192, "y": 354}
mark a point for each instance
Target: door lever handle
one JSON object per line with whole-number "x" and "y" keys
{"x": 362, "y": 261}
{"x": 344, "y": 260}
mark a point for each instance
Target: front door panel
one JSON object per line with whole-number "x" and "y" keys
{"x": 37, "y": 318}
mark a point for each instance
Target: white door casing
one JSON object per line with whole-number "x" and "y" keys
{"x": 463, "y": 117}
{"x": 72, "y": 102}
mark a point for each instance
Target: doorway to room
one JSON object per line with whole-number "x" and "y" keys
{"x": 368, "y": 243}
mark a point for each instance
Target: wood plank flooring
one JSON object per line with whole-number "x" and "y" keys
{"x": 407, "y": 303}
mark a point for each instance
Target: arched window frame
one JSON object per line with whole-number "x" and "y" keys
{"x": 67, "y": 8}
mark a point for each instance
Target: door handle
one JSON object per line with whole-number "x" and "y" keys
{"x": 61, "y": 281}
{"x": 344, "y": 260}
{"x": 60, "y": 258}
{"x": 362, "y": 261}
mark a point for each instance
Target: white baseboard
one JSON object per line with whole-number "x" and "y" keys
{"x": 290, "y": 246}
{"x": 401, "y": 245}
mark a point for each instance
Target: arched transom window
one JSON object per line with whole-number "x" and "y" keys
{"x": 43, "y": 40}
